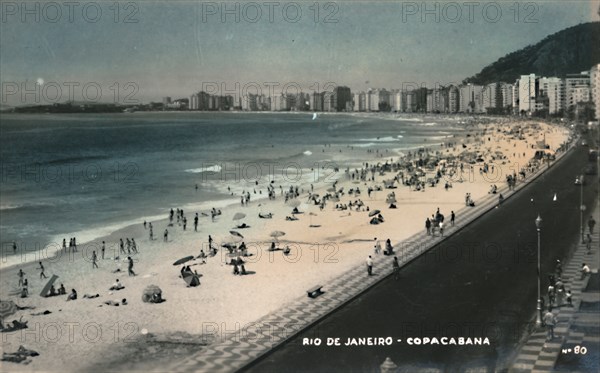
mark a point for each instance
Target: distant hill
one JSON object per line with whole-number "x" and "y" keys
{"x": 571, "y": 50}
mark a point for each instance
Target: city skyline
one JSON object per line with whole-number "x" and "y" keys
{"x": 358, "y": 45}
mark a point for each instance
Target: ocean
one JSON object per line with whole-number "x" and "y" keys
{"x": 86, "y": 176}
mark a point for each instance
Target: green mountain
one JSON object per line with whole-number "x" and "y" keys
{"x": 569, "y": 51}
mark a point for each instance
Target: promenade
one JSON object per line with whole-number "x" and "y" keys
{"x": 576, "y": 346}
{"x": 235, "y": 351}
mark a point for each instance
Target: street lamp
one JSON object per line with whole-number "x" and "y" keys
{"x": 581, "y": 209}
{"x": 538, "y": 320}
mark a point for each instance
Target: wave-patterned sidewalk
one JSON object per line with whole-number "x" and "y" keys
{"x": 578, "y": 326}
{"x": 240, "y": 349}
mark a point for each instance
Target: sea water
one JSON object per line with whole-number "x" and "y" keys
{"x": 87, "y": 175}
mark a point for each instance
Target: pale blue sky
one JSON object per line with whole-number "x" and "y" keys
{"x": 175, "y": 47}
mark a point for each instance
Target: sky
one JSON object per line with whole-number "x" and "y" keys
{"x": 144, "y": 50}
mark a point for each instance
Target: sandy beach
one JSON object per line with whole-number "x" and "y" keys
{"x": 324, "y": 242}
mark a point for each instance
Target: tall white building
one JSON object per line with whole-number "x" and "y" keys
{"x": 507, "y": 94}
{"x": 396, "y": 100}
{"x": 491, "y": 93}
{"x": 526, "y": 89}
{"x": 551, "y": 89}
{"x": 471, "y": 98}
{"x": 595, "y": 88}
{"x": 577, "y": 88}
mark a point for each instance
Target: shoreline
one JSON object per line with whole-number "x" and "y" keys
{"x": 342, "y": 240}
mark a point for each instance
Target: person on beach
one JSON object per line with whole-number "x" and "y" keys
{"x": 25, "y": 289}
{"x": 184, "y": 222}
{"x": 72, "y": 296}
{"x": 130, "y": 267}
{"x": 41, "y": 268}
{"x": 396, "y": 268}
{"x": 591, "y": 224}
{"x": 64, "y": 245}
{"x": 134, "y": 246}
{"x": 389, "y": 249}
{"x": 74, "y": 244}
{"x": 117, "y": 285}
{"x": 103, "y": 249}
{"x": 151, "y": 233}
{"x": 21, "y": 276}
{"x": 377, "y": 246}
{"x": 369, "y": 265}
{"x": 121, "y": 246}
{"x": 62, "y": 290}
{"x": 144, "y": 224}
{"x": 166, "y": 236}
{"x": 202, "y": 256}
{"x": 196, "y": 223}
{"x": 94, "y": 259}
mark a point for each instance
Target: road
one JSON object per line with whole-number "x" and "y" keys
{"x": 481, "y": 282}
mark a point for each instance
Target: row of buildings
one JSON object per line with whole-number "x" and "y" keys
{"x": 529, "y": 94}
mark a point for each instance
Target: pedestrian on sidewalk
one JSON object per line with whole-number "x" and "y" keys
{"x": 569, "y": 298}
{"x": 550, "y": 321}
{"x": 558, "y": 268}
{"x": 396, "y": 267}
{"x": 369, "y": 265}
{"x": 585, "y": 270}
{"x": 452, "y": 217}
{"x": 591, "y": 224}
{"x": 588, "y": 243}
{"x": 551, "y": 295}
{"x": 428, "y": 226}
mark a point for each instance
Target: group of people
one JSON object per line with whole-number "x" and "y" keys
{"x": 437, "y": 222}
{"x": 72, "y": 244}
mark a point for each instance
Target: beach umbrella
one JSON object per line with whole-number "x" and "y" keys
{"x": 7, "y": 308}
{"x": 239, "y": 215}
{"x": 277, "y": 234}
{"x": 235, "y": 239}
{"x": 150, "y": 291}
{"x": 49, "y": 284}
{"x": 229, "y": 245}
{"x": 293, "y": 202}
{"x": 192, "y": 280}
{"x": 374, "y": 212}
{"x": 183, "y": 260}
{"x": 236, "y": 234}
